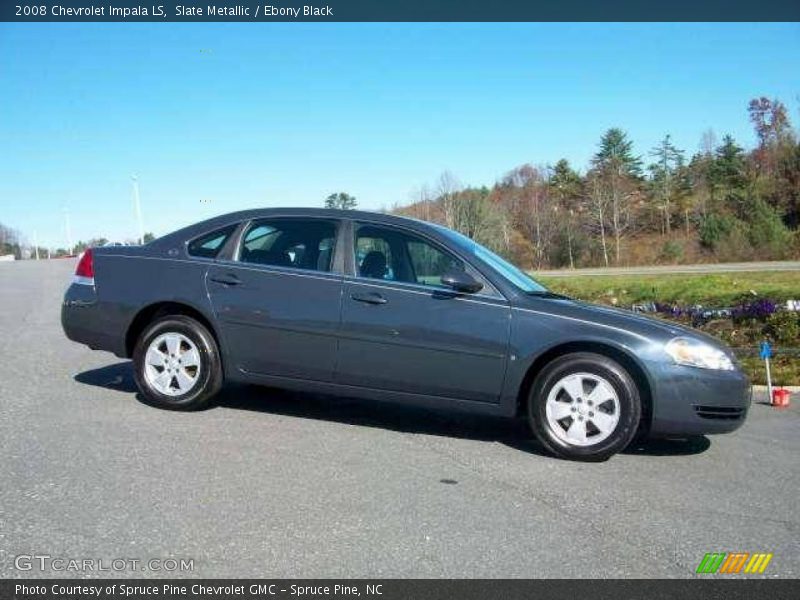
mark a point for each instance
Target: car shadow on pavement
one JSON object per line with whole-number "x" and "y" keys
{"x": 513, "y": 433}
{"x": 118, "y": 376}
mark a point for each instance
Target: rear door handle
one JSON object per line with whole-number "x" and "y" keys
{"x": 369, "y": 298}
{"x": 228, "y": 279}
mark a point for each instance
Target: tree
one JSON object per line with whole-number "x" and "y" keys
{"x": 92, "y": 243}
{"x": 446, "y": 189}
{"x": 708, "y": 141}
{"x": 664, "y": 177}
{"x": 10, "y": 241}
{"x": 618, "y": 172}
{"x": 737, "y": 203}
{"x": 478, "y": 218}
{"x": 340, "y": 200}
{"x": 566, "y": 187}
{"x": 772, "y": 127}
{"x": 148, "y": 237}
{"x": 766, "y": 232}
{"x": 778, "y": 180}
{"x": 616, "y": 154}
{"x": 728, "y": 175}
{"x": 598, "y": 205}
{"x": 527, "y": 192}
{"x": 788, "y": 184}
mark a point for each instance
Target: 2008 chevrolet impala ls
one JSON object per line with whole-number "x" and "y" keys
{"x": 391, "y": 308}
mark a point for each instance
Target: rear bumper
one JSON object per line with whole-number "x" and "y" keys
{"x": 82, "y": 322}
{"x": 691, "y": 401}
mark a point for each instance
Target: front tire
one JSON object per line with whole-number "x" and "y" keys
{"x": 177, "y": 364}
{"x": 584, "y": 406}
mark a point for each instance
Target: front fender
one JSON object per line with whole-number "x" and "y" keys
{"x": 538, "y": 337}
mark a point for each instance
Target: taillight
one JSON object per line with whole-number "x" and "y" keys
{"x": 85, "y": 272}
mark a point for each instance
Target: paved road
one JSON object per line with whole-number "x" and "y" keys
{"x": 674, "y": 269}
{"x": 276, "y": 484}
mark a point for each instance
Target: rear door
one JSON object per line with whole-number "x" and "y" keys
{"x": 278, "y": 301}
{"x": 403, "y": 331}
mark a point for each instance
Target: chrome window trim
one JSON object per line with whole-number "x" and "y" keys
{"x": 309, "y": 273}
{"x": 247, "y": 266}
{"x": 423, "y": 290}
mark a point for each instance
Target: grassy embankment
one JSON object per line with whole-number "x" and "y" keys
{"x": 712, "y": 291}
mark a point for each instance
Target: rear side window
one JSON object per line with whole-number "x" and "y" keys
{"x": 209, "y": 245}
{"x": 293, "y": 243}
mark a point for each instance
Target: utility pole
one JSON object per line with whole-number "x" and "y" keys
{"x": 36, "y": 244}
{"x": 68, "y": 230}
{"x": 137, "y": 207}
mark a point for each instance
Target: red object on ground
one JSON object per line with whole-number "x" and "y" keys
{"x": 780, "y": 398}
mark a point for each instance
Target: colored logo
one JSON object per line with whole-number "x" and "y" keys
{"x": 734, "y": 562}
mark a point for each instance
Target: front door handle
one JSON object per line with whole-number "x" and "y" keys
{"x": 228, "y": 279}
{"x": 369, "y": 298}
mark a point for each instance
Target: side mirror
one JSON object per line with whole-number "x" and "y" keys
{"x": 461, "y": 281}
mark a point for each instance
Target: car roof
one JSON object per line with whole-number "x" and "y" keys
{"x": 333, "y": 213}
{"x": 220, "y": 221}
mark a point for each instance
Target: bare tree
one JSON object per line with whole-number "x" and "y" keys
{"x": 528, "y": 196}
{"x": 599, "y": 209}
{"x": 446, "y": 189}
{"x": 708, "y": 142}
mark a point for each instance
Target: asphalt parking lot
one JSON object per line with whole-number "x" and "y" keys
{"x": 275, "y": 484}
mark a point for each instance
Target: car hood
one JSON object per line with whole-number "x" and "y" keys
{"x": 636, "y": 323}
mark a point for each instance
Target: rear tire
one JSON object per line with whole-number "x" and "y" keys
{"x": 584, "y": 406}
{"x": 177, "y": 364}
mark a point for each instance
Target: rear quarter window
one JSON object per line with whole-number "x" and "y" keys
{"x": 210, "y": 244}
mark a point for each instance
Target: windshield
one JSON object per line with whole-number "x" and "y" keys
{"x": 509, "y": 272}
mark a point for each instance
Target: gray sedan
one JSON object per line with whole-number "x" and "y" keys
{"x": 389, "y": 308}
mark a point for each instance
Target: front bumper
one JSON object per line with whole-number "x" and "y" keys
{"x": 692, "y": 401}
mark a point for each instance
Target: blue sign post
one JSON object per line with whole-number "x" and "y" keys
{"x": 766, "y": 353}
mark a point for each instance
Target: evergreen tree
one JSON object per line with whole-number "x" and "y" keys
{"x": 618, "y": 174}
{"x": 665, "y": 177}
{"x": 616, "y": 155}
{"x": 728, "y": 176}
{"x": 340, "y": 200}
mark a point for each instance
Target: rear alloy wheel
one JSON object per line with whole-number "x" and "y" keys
{"x": 172, "y": 364}
{"x": 176, "y": 364}
{"x": 584, "y": 406}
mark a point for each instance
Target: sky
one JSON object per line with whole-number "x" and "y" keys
{"x": 218, "y": 117}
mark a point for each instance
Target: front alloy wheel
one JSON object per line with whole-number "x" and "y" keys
{"x": 584, "y": 406}
{"x": 582, "y": 409}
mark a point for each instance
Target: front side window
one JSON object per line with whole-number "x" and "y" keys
{"x": 391, "y": 255}
{"x": 293, "y": 243}
{"x": 210, "y": 244}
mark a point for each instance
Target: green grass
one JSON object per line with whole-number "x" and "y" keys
{"x": 719, "y": 290}
{"x": 785, "y": 370}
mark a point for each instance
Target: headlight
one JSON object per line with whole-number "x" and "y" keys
{"x": 694, "y": 353}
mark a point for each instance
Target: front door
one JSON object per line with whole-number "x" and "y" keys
{"x": 403, "y": 331}
{"x": 278, "y": 302}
